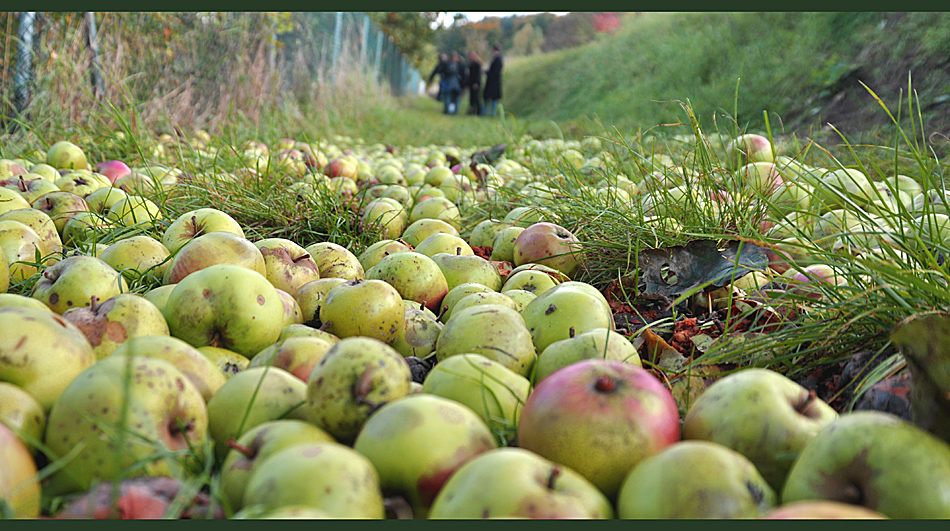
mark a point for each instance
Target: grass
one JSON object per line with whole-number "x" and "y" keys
{"x": 572, "y": 170}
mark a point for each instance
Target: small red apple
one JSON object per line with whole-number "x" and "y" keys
{"x": 113, "y": 169}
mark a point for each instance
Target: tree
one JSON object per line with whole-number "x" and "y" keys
{"x": 411, "y": 31}
{"x": 528, "y": 40}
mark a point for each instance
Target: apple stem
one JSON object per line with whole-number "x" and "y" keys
{"x": 555, "y": 472}
{"x": 571, "y": 332}
{"x": 605, "y": 383}
{"x": 458, "y": 251}
{"x": 94, "y": 303}
{"x": 324, "y": 326}
{"x": 809, "y": 399}
{"x": 248, "y": 453}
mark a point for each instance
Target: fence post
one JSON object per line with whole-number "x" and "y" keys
{"x": 365, "y": 41}
{"x": 24, "y": 61}
{"x": 92, "y": 41}
{"x": 379, "y": 53}
{"x": 337, "y": 34}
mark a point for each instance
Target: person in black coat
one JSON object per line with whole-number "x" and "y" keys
{"x": 493, "y": 82}
{"x": 474, "y": 83}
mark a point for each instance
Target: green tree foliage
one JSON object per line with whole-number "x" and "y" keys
{"x": 411, "y": 32}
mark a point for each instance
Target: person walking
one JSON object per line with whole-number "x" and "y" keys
{"x": 439, "y": 70}
{"x": 474, "y": 82}
{"x": 493, "y": 82}
{"x": 454, "y": 71}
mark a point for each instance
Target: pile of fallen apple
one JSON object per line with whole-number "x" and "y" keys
{"x": 413, "y": 378}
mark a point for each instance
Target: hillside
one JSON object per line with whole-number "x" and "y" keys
{"x": 805, "y": 69}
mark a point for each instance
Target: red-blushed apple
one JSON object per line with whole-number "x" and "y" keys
{"x": 74, "y": 281}
{"x": 110, "y": 323}
{"x": 550, "y": 245}
{"x": 287, "y": 265}
{"x": 600, "y": 418}
{"x": 61, "y": 206}
{"x": 113, "y": 169}
{"x": 749, "y": 148}
{"x": 214, "y": 248}
{"x": 296, "y": 355}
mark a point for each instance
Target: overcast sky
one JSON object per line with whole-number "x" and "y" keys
{"x": 478, "y": 15}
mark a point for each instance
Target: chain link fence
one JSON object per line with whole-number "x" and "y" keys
{"x": 193, "y": 66}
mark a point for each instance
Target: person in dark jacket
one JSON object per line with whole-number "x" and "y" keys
{"x": 454, "y": 72}
{"x": 474, "y": 83}
{"x": 493, "y": 82}
{"x": 440, "y": 71}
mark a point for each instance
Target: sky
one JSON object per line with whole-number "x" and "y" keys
{"x": 446, "y": 18}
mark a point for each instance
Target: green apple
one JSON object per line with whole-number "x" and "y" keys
{"x": 66, "y": 155}
{"x": 421, "y": 229}
{"x": 22, "y": 249}
{"x": 379, "y": 250}
{"x": 496, "y": 332}
{"x": 456, "y": 294}
{"x": 566, "y": 310}
{"x": 20, "y": 412}
{"x": 74, "y": 281}
{"x": 196, "y": 223}
{"x": 482, "y": 298}
{"x": 761, "y": 414}
{"x": 503, "y": 248}
{"x": 335, "y": 261}
{"x": 311, "y": 295}
{"x": 11, "y": 200}
{"x": 296, "y": 355}
{"x": 60, "y": 206}
{"x": 463, "y": 269}
{"x": 326, "y": 476}
{"x": 415, "y": 276}
{"x": 483, "y": 235}
{"x": 228, "y": 362}
{"x": 122, "y": 411}
{"x": 536, "y": 282}
{"x": 875, "y": 460}
{"x": 370, "y": 308}
{"x": 695, "y": 480}
{"x": 441, "y": 242}
{"x": 352, "y": 380}
{"x": 420, "y": 334}
{"x": 516, "y": 483}
{"x": 101, "y": 201}
{"x": 19, "y": 488}
{"x": 417, "y": 442}
{"x": 255, "y": 446}
{"x": 490, "y": 389}
{"x": 137, "y": 256}
{"x": 597, "y": 343}
{"x": 198, "y": 368}
{"x": 251, "y": 397}
{"x": 226, "y": 306}
{"x": 44, "y": 228}
{"x": 436, "y": 208}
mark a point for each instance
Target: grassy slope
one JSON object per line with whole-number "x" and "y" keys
{"x": 804, "y": 68}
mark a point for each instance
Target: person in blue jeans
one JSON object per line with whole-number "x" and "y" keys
{"x": 493, "y": 82}
{"x": 454, "y": 70}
